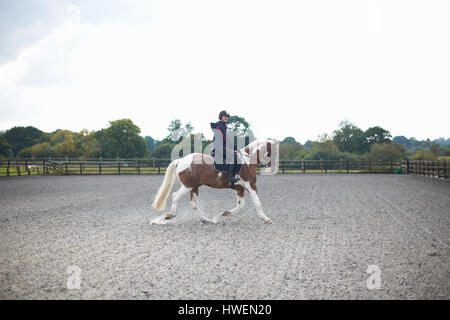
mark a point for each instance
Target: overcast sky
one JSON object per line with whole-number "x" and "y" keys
{"x": 291, "y": 68}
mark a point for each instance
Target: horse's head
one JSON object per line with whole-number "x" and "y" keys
{"x": 263, "y": 152}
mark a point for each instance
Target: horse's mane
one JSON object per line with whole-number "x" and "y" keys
{"x": 256, "y": 144}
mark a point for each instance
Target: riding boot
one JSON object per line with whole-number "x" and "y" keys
{"x": 231, "y": 178}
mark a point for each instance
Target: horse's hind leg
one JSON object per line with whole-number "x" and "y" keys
{"x": 240, "y": 202}
{"x": 175, "y": 197}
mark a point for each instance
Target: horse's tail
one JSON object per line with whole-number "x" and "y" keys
{"x": 160, "y": 201}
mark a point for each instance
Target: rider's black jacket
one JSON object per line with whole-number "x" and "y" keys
{"x": 220, "y": 134}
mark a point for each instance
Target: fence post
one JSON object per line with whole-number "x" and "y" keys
{"x": 7, "y": 169}
{"x": 348, "y": 165}
{"x": 81, "y": 168}
{"x": 407, "y": 166}
{"x": 445, "y": 169}
{"x": 138, "y": 167}
{"x": 27, "y": 168}
{"x": 433, "y": 163}
{"x": 439, "y": 169}
{"x": 67, "y": 165}
{"x": 282, "y": 165}
{"x": 118, "y": 164}
{"x": 303, "y": 166}
{"x": 159, "y": 167}
{"x": 321, "y": 165}
{"x": 100, "y": 166}
{"x": 17, "y": 167}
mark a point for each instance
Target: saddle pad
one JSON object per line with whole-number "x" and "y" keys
{"x": 223, "y": 167}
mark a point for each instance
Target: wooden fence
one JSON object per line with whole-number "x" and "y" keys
{"x": 435, "y": 169}
{"x": 100, "y": 166}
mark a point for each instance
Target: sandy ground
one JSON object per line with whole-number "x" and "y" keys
{"x": 328, "y": 229}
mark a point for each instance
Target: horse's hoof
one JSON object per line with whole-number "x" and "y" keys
{"x": 169, "y": 216}
{"x": 208, "y": 221}
{"x": 226, "y": 214}
{"x": 269, "y": 221}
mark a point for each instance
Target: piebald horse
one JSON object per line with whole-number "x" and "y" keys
{"x": 197, "y": 169}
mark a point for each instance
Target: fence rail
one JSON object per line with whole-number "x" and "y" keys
{"x": 103, "y": 166}
{"x": 435, "y": 169}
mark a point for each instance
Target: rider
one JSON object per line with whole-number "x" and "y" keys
{"x": 221, "y": 127}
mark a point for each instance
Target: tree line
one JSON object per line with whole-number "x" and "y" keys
{"x": 122, "y": 139}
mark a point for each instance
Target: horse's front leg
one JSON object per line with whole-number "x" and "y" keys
{"x": 240, "y": 202}
{"x": 255, "y": 199}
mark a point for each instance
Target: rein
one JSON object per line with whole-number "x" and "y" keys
{"x": 242, "y": 156}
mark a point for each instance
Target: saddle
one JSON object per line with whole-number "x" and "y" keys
{"x": 223, "y": 167}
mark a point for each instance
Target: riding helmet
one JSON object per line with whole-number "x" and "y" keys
{"x": 223, "y": 113}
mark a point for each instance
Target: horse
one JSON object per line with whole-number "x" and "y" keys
{"x": 196, "y": 169}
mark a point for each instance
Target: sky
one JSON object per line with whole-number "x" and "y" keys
{"x": 290, "y": 68}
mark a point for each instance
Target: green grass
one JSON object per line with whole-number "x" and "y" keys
{"x": 23, "y": 171}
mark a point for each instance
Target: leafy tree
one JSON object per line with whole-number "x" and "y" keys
{"x": 349, "y": 156}
{"x": 66, "y": 148}
{"x": 445, "y": 151}
{"x": 25, "y": 152}
{"x": 377, "y": 135}
{"x": 413, "y": 142}
{"x": 122, "y": 139}
{"x": 40, "y": 150}
{"x": 435, "y": 148}
{"x": 442, "y": 141}
{"x": 324, "y": 148}
{"x": 293, "y": 150}
{"x": 5, "y": 148}
{"x": 308, "y": 144}
{"x": 177, "y": 132}
{"x": 424, "y": 155}
{"x": 386, "y": 152}
{"x": 86, "y": 144}
{"x": 426, "y": 144}
{"x": 163, "y": 151}
{"x": 60, "y": 136}
{"x": 150, "y": 143}
{"x": 241, "y": 128}
{"x": 288, "y": 140}
{"x": 22, "y": 137}
{"x": 402, "y": 140}
{"x": 189, "y": 127}
{"x": 350, "y": 138}
{"x": 64, "y": 144}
